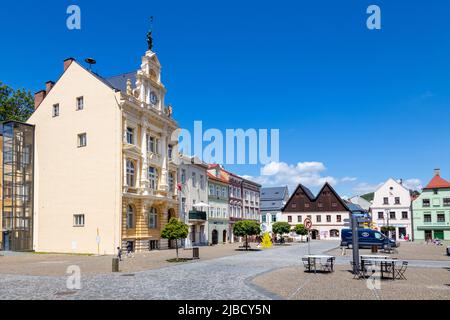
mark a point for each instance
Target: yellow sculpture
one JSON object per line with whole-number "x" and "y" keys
{"x": 266, "y": 241}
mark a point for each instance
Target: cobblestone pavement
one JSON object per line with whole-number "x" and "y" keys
{"x": 222, "y": 279}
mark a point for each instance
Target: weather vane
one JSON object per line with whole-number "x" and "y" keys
{"x": 150, "y": 36}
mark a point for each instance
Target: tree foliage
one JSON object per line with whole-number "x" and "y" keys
{"x": 15, "y": 105}
{"x": 246, "y": 228}
{"x": 175, "y": 230}
{"x": 301, "y": 230}
{"x": 281, "y": 228}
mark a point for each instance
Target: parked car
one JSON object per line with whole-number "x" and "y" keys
{"x": 367, "y": 238}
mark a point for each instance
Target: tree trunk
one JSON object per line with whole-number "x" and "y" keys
{"x": 246, "y": 243}
{"x": 176, "y": 247}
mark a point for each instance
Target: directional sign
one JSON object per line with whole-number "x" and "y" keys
{"x": 307, "y": 223}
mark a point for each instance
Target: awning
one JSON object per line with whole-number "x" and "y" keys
{"x": 433, "y": 228}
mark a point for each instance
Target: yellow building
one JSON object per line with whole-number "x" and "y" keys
{"x": 104, "y": 174}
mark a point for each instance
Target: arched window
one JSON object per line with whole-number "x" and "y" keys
{"x": 334, "y": 233}
{"x": 130, "y": 173}
{"x": 130, "y": 217}
{"x": 152, "y": 218}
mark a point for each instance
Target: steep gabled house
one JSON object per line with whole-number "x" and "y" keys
{"x": 327, "y": 211}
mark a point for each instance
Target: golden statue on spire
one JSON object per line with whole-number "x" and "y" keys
{"x": 150, "y": 36}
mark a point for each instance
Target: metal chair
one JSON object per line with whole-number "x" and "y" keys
{"x": 400, "y": 273}
{"x": 306, "y": 264}
{"x": 358, "y": 273}
{"x": 328, "y": 266}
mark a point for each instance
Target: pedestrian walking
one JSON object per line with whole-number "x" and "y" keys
{"x": 119, "y": 253}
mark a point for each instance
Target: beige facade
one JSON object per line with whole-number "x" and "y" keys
{"x": 93, "y": 188}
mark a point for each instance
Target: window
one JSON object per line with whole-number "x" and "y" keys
{"x": 170, "y": 151}
{"x": 334, "y": 204}
{"x": 386, "y": 200}
{"x": 441, "y": 217}
{"x": 82, "y": 140}
{"x": 152, "y": 218}
{"x": 274, "y": 218}
{"x": 202, "y": 182}
{"x": 224, "y": 192}
{"x": 294, "y": 205}
{"x": 151, "y": 144}
{"x": 80, "y": 103}
{"x": 55, "y": 110}
{"x": 183, "y": 176}
{"x": 334, "y": 233}
{"x": 328, "y": 218}
{"x": 218, "y": 191}
{"x": 194, "y": 179}
{"x": 306, "y": 205}
{"x": 130, "y": 217}
{"x": 405, "y": 215}
{"x": 299, "y": 218}
{"x": 380, "y": 215}
{"x": 171, "y": 182}
{"x": 153, "y": 177}
{"x": 320, "y": 204}
{"x": 426, "y": 202}
{"x": 397, "y": 200}
{"x": 446, "y": 202}
{"x": 392, "y": 215}
{"x": 130, "y": 135}
{"x": 338, "y": 218}
{"x": 435, "y": 191}
{"x": 183, "y": 205}
{"x": 427, "y": 218}
{"x": 130, "y": 173}
{"x": 263, "y": 217}
{"x": 319, "y": 218}
{"x": 289, "y": 218}
{"x": 211, "y": 190}
{"x": 78, "y": 220}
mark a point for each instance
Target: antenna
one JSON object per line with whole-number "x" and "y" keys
{"x": 91, "y": 62}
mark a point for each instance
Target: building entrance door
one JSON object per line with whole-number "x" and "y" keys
{"x": 215, "y": 237}
{"x": 6, "y": 241}
{"x": 224, "y": 236}
{"x": 428, "y": 235}
{"x": 314, "y": 234}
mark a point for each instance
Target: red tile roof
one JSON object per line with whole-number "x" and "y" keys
{"x": 437, "y": 182}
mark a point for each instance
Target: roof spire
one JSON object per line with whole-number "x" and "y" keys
{"x": 150, "y": 35}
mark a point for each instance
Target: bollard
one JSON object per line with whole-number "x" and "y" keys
{"x": 196, "y": 253}
{"x": 115, "y": 265}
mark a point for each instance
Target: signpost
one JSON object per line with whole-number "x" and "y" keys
{"x": 356, "y": 219}
{"x": 308, "y": 225}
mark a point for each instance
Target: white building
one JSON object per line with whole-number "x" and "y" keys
{"x": 272, "y": 202}
{"x": 194, "y": 191}
{"x": 392, "y": 204}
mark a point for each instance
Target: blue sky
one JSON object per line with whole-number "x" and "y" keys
{"x": 354, "y": 106}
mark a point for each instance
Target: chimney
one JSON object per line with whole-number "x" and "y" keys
{"x": 67, "y": 63}
{"x": 38, "y": 98}
{"x": 437, "y": 172}
{"x": 48, "y": 86}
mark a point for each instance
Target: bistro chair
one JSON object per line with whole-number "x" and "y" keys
{"x": 359, "y": 273}
{"x": 400, "y": 273}
{"x": 306, "y": 264}
{"x": 328, "y": 266}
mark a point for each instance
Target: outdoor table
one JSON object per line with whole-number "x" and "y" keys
{"x": 384, "y": 263}
{"x": 315, "y": 257}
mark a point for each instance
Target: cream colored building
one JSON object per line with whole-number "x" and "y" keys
{"x": 103, "y": 170}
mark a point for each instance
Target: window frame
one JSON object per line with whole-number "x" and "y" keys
{"x": 82, "y": 138}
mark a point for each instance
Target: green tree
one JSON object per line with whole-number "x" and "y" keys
{"x": 246, "y": 228}
{"x": 175, "y": 230}
{"x": 15, "y": 105}
{"x": 301, "y": 230}
{"x": 281, "y": 228}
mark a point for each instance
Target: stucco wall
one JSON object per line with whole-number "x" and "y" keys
{"x": 71, "y": 180}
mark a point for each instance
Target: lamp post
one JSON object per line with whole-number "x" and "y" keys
{"x": 388, "y": 212}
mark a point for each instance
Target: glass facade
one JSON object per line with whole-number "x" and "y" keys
{"x": 18, "y": 182}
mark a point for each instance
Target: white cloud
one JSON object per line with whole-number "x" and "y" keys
{"x": 307, "y": 173}
{"x": 364, "y": 187}
{"x": 413, "y": 184}
{"x": 349, "y": 179}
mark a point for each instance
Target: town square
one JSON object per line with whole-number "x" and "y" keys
{"x": 172, "y": 157}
